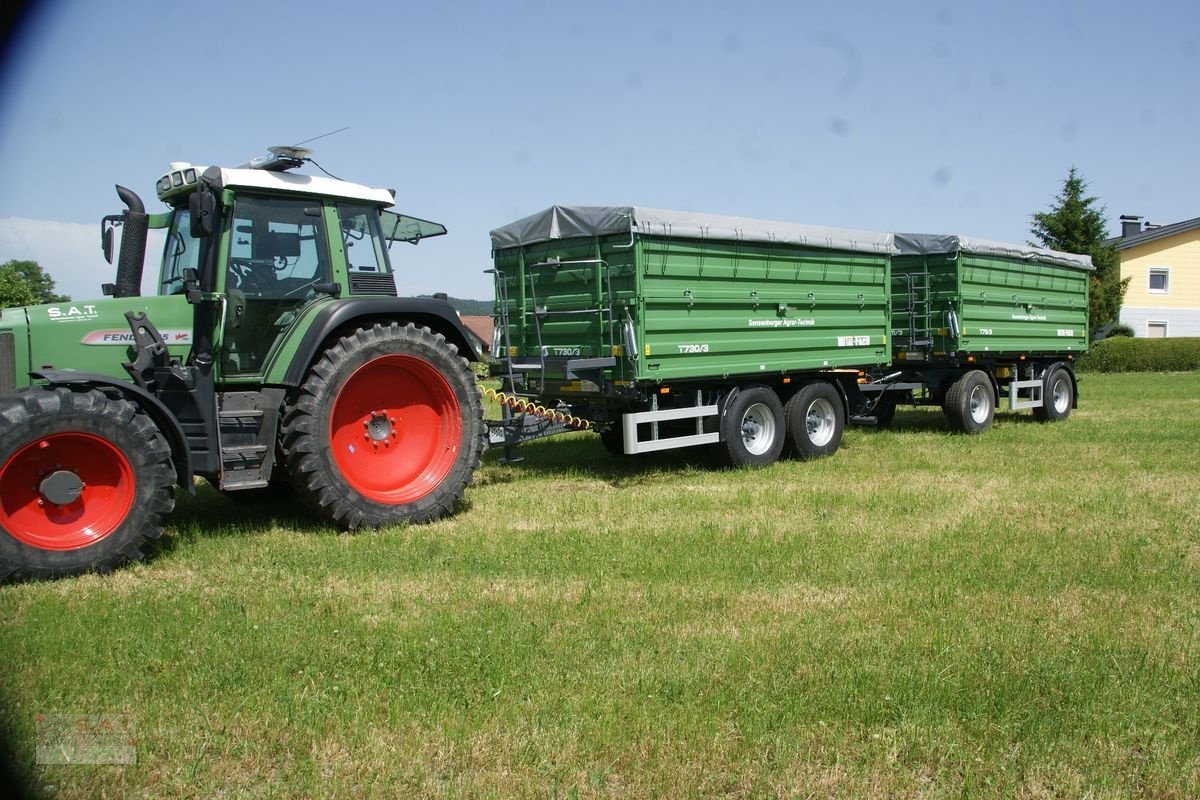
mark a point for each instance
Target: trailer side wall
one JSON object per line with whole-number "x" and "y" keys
{"x": 699, "y": 309}
{"x": 1002, "y": 305}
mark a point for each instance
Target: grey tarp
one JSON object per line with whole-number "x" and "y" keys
{"x": 928, "y": 243}
{"x": 566, "y": 222}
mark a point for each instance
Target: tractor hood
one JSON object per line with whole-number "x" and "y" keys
{"x": 86, "y": 335}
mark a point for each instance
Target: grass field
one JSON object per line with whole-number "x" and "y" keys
{"x": 923, "y": 615}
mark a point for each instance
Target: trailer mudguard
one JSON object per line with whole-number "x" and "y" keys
{"x": 438, "y": 315}
{"x": 158, "y": 412}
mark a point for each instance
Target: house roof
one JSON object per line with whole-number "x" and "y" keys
{"x": 481, "y": 327}
{"x": 1159, "y": 232}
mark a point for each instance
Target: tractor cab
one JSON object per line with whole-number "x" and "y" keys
{"x": 262, "y": 246}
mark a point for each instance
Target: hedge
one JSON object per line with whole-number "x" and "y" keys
{"x": 1123, "y": 354}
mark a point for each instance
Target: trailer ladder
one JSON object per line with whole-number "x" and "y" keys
{"x": 916, "y": 291}
{"x": 539, "y": 314}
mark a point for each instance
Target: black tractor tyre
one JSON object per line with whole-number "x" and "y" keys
{"x": 86, "y": 481}
{"x": 386, "y": 429}
{"x": 971, "y": 403}
{"x": 1058, "y": 396}
{"x": 815, "y": 419}
{"x": 752, "y": 428}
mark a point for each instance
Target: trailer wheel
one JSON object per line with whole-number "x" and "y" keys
{"x": 85, "y": 482}
{"x": 971, "y": 403}
{"x": 386, "y": 429}
{"x": 752, "y": 428}
{"x": 885, "y": 412}
{"x": 613, "y": 440}
{"x": 815, "y": 420}
{"x": 1058, "y": 395}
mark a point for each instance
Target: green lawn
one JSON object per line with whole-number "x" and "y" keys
{"x": 1015, "y": 614}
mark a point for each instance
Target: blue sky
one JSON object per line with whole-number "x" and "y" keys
{"x": 942, "y": 117}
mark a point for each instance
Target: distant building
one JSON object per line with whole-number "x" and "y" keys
{"x": 482, "y": 327}
{"x": 1163, "y": 263}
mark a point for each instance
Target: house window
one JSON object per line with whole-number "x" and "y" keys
{"x": 1156, "y": 330}
{"x": 1160, "y": 280}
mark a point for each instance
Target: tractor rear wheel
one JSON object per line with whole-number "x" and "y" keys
{"x": 386, "y": 429}
{"x": 85, "y": 482}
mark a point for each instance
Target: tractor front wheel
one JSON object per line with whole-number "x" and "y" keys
{"x": 386, "y": 429}
{"x": 85, "y": 482}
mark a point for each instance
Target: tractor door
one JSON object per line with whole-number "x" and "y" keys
{"x": 277, "y": 255}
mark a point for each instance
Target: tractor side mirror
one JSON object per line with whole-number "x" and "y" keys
{"x": 202, "y": 207}
{"x": 106, "y": 235}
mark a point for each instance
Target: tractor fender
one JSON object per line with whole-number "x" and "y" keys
{"x": 438, "y": 315}
{"x": 153, "y": 407}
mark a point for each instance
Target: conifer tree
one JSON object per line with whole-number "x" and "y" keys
{"x": 1075, "y": 224}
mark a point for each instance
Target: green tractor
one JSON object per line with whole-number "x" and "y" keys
{"x": 275, "y": 350}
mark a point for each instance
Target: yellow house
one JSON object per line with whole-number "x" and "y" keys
{"x": 1163, "y": 262}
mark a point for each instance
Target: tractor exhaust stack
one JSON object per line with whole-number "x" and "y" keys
{"x": 135, "y": 224}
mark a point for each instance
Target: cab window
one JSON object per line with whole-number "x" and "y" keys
{"x": 180, "y": 252}
{"x": 365, "y": 251}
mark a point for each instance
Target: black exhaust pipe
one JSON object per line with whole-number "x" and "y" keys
{"x": 135, "y": 223}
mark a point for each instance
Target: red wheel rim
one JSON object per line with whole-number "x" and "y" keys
{"x": 395, "y": 429}
{"x": 103, "y": 502}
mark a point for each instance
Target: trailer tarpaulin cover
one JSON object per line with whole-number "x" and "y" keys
{"x": 565, "y": 222}
{"x": 930, "y": 243}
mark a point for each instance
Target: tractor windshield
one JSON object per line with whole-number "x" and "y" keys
{"x": 180, "y": 252}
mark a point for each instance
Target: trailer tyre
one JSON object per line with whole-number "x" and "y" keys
{"x": 85, "y": 483}
{"x": 971, "y": 403}
{"x": 752, "y": 428}
{"x": 885, "y": 412}
{"x": 815, "y": 420}
{"x": 386, "y": 429}
{"x": 1058, "y": 396}
{"x": 613, "y": 440}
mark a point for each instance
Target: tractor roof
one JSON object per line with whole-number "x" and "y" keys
{"x": 226, "y": 177}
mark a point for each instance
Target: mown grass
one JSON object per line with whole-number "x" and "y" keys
{"x": 923, "y": 615}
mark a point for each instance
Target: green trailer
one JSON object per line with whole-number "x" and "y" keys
{"x": 670, "y": 329}
{"x": 974, "y": 321}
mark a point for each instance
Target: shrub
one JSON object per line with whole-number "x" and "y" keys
{"x": 1127, "y": 354}
{"x": 1120, "y": 330}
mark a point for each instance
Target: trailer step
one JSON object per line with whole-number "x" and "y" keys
{"x": 250, "y": 484}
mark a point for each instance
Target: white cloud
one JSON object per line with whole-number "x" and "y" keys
{"x": 70, "y": 253}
